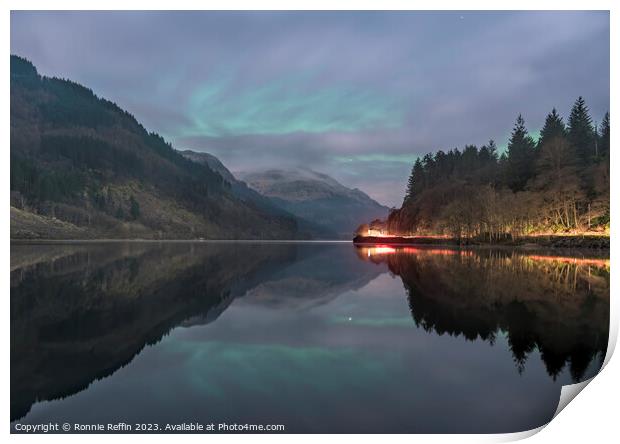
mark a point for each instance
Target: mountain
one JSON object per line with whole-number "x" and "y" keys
{"x": 213, "y": 163}
{"x": 306, "y": 228}
{"x": 81, "y": 167}
{"x": 316, "y": 197}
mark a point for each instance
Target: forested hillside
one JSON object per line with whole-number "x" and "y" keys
{"x": 556, "y": 184}
{"x": 82, "y": 167}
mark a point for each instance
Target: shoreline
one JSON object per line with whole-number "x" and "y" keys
{"x": 114, "y": 240}
{"x": 358, "y": 242}
{"x": 593, "y": 242}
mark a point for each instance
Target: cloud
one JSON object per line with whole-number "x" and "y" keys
{"x": 356, "y": 95}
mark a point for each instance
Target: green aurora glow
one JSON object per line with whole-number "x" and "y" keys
{"x": 260, "y": 367}
{"x": 286, "y": 106}
{"x": 390, "y": 321}
{"x": 408, "y": 159}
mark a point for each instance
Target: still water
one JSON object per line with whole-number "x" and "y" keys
{"x": 320, "y": 337}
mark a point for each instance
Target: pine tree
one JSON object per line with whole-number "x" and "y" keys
{"x": 553, "y": 127}
{"x": 488, "y": 153}
{"x": 428, "y": 170}
{"x": 469, "y": 159}
{"x": 415, "y": 182}
{"x": 520, "y": 156}
{"x": 410, "y": 185}
{"x": 488, "y": 159}
{"x": 604, "y": 138}
{"x": 580, "y": 131}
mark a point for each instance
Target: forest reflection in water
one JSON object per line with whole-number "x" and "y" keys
{"x": 556, "y": 304}
{"x": 80, "y": 312}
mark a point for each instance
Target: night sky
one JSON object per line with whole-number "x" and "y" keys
{"x": 355, "y": 95}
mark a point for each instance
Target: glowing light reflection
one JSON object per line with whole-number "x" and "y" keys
{"x": 572, "y": 260}
{"x": 386, "y": 249}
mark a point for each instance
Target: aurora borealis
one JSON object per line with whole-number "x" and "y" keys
{"x": 356, "y": 95}
{"x": 287, "y": 106}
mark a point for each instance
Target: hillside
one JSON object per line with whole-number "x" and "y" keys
{"x": 81, "y": 167}
{"x": 213, "y": 163}
{"x": 316, "y": 197}
{"x": 306, "y": 229}
{"x": 558, "y": 184}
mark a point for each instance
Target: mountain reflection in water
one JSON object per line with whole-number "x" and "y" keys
{"x": 305, "y": 335}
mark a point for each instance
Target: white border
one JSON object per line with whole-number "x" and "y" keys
{"x": 593, "y": 417}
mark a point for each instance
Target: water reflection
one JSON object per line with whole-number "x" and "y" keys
{"x": 81, "y": 311}
{"x": 306, "y": 335}
{"x": 557, "y": 305}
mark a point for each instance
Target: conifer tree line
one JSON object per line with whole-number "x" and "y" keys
{"x": 556, "y": 184}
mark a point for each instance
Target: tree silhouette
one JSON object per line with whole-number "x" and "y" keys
{"x": 521, "y": 149}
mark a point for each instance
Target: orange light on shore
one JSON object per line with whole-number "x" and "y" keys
{"x": 377, "y": 233}
{"x": 380, "y": 234}
{"x": 428, "y": 236}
